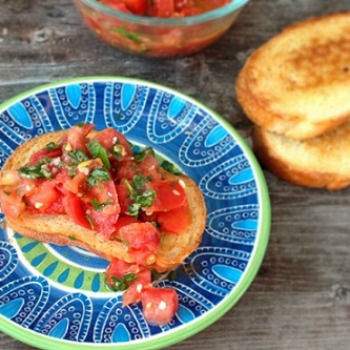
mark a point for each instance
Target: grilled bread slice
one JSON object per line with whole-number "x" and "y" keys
{"x": 297, "y": 83}
{"x": 319, "y": 162}
{"x": 59, "y": 229}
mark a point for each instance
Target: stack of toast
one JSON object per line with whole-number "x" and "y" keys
{"x": 296, "y": 90}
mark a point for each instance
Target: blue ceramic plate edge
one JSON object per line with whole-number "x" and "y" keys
{"x": 188, "y": 330}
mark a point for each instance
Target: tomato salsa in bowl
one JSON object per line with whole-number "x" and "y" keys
{"x": 159, "y": 28}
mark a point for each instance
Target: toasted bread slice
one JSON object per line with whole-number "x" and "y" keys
{"x": 297, "y": 83}
{"x": 59, "y": 229}
{"x": 319, "y": 162}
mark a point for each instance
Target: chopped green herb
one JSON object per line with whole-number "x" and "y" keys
{"x": 81, "y": 124}
{"x": 132, "y": 191}
{"x": 98, "y": 175}
{"x": 52, "y": 145}
{"x": 98, "y": 151}
{"x": 45, "y": 160}
{"x": 7, "y": 193}
{"x": 170, "y": 167}
{"x": 141, "y": 155}
{"x": 36, "y": 171}
{"x": 99, "y": 206}
{"x": 146, "y": 198}
{"x": 139, "y": 181}
{"x": 133, "y": 209}
{"x": 121, "y": 283}
{"x": 78, "y": 155}
{"x": 73, "y": 238}
{"x": 72, "y": 172}
{"x": 143, "y": 200}
{"x": 129, "y": 35}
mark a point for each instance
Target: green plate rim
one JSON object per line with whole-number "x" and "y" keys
{"x": 183, "y": 332}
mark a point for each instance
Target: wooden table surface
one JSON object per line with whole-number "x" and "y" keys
{"x": 301, "y": 296}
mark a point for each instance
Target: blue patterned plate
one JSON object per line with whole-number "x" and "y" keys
{"x": 54, "y": 297}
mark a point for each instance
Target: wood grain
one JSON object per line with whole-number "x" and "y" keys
{"x": 301, "y": 296}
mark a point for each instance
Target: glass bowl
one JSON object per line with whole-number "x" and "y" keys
{"x": 158, "y": 37}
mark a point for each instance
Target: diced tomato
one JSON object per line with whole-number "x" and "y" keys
{"x": 134, "y": 291}
{"x": 12, "y": 204}
{"x": 162, "y": 8}
{"x": 109, "y": 137}
{"x": 125, "y": 220}
{"x": 175, "y": 221}
{"x": 56, "y": 207}
{"x": 141, "y": 236}
{"x": 117, "y": 5}
{"x": 138, "y": 7}
{"x": 169, "y": 195}
{"x": 159, "y": 305}
{"x": 142, "y": 256}
{"x": 103, "y": 205}
{"x": 45, "y": 153}
{"x": 76, "y": 137}
{"x": 123, "y": 196}
{"x": 104, "y": 223}
{"x": 149, "y": 167}
{"x": 43, "y": 196}
{"x": 119, "y": 268}
{"x": 127, "y": 169}
{"x": 74, "y": 209}
{"x": 76, "y": 183}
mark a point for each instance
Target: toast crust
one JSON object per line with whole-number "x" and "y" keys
{"x": 296, "y": 84}
{"x": 59, "y": 229}
{"x": 320, "y": 162}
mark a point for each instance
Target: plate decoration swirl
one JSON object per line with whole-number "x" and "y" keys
{"x": 53, "y": 297}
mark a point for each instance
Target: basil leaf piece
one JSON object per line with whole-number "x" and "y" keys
{"x": 140, "y": 181}
{"x": 121, "y": 283}
{"x": 52, "y": 145}
{"x": 98, "y": 175}
{"x": 98, "y": 151}
{"x": 99, "y": 206}
{"x": 36, "y": 171}
{"x": 141, "y": 155}
{"x": 146, "y": 199}
{"x": 170, "y": 167}
{"x": 78, "y": 155}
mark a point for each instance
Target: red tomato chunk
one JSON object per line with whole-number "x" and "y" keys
{"x": 165, "y": 8}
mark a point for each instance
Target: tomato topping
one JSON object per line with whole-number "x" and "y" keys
{"x": 103, "y": 207}
{"x": 12, "y": 204}
{"x": 75, "y": 184}
{"x": 119, "y": 268}
{"x": 175, "y": 221}
{"x": 46, "y": 153}
{"x": 169, "y": 195}
{"x": 143, "y": 235}
{"x": 162, "y": 8}
{"x": 159, "y": 305}
{"x": 138, "y": 7}
{"x": 56, "y": 207}
{"x": 43, "y": 196}
{"x": 74, "y": 209}
{"x": 76, "y": 138}
{"x": 134, "y": 291}
{"x": 123, "y": 196}
{"x": 110, "y": 137}
{"x": 125, "y": 220}
{"x": 149, "y": 167}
